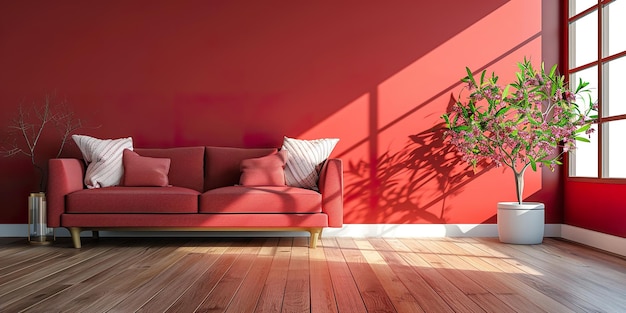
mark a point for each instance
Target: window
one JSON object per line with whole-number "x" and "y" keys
{"x": 597, "y": 54}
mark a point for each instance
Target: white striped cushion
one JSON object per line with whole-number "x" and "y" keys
{"x": 304, "y": 160}
{"x": 104, "y": 159}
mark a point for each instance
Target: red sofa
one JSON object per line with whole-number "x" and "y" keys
{"x": 203, "y": 195}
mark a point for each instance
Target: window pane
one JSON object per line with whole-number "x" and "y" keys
{"x": 614, "y": 134}
{"x": 614, "y": 73}
{"x": 588, "y": 75}
{"x": 614, "y": 28}
{"x": 583, "y": 40}
{"x": 584, "y": 160}
{"x": 577, "y": 6}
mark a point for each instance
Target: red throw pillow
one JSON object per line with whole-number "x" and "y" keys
{"x": 142, "y": 171}
{"x": 264, "y": 171}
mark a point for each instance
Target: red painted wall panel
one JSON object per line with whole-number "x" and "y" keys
{"x": 246, "y": 73}
{"x": 597, "y": 206}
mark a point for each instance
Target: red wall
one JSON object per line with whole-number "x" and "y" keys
{"x": 596, "y": 206}
{"x": 245, "y": 73}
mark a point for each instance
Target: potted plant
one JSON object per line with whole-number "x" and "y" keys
{"x": 530, "y": 122}
{"x": 26, "y": 131}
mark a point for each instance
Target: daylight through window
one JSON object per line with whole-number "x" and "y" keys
{"x": 597, "y": 54}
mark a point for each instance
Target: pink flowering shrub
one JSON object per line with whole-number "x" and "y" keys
{"x": 521, "y": 124}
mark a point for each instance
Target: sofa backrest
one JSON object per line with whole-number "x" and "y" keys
{"x": 186, "y": 168}
{"x": 222, "y": 167}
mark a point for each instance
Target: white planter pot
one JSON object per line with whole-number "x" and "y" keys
{"x": 521, "y": 223}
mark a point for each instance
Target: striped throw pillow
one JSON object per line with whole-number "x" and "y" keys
{"x": 104, "y": 159}
{"x": 304, "y": 160}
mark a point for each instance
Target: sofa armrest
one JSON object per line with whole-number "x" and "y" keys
{"x": 331, "y": 187}
{"x": 64, "y": 177}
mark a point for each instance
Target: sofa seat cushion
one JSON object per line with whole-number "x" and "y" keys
{"x": 260, "y": 199}
{"x": 133, "y": 200}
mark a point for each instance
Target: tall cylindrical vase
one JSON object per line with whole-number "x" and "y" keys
{"x": 38, "y": 231}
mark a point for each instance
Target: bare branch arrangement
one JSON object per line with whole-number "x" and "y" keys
{"x": 27, "y": 128}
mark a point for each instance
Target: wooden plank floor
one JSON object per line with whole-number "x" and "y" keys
{"x": 284, "y": 275}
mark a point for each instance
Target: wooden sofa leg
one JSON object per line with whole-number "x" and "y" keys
{"x": 315, "y": 235}
{"x": 75, "y": 232}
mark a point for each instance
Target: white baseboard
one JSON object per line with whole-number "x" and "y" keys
{"x": 348, "y": 230}
{"x": 13, "y": 230}
{"x": 425, "y": 230}
{"x": 591, "y": 238}
{"x": 595, "y": 239}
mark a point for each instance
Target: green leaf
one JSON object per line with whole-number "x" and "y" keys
{"x": 502, "y": 111}
{"x": 533, "y": 164}
{"x": 446, "y": 119}
{"x": 470, "y": 76}
{"x": 505, "y": 92}
{"x": 553, "y": 90}
{"x": 582, "y": 129}
{"x": 583, "y": 139}
{"x": 482, "y": 77}
{"x": 581, "y": 85}
{"x": 552, "y": 71}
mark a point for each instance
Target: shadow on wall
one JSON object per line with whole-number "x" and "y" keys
{"x": 410, "y": 185}
{"x": 421, "y": 181}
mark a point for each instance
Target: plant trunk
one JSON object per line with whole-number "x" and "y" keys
{"x": 519, "y": 183}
